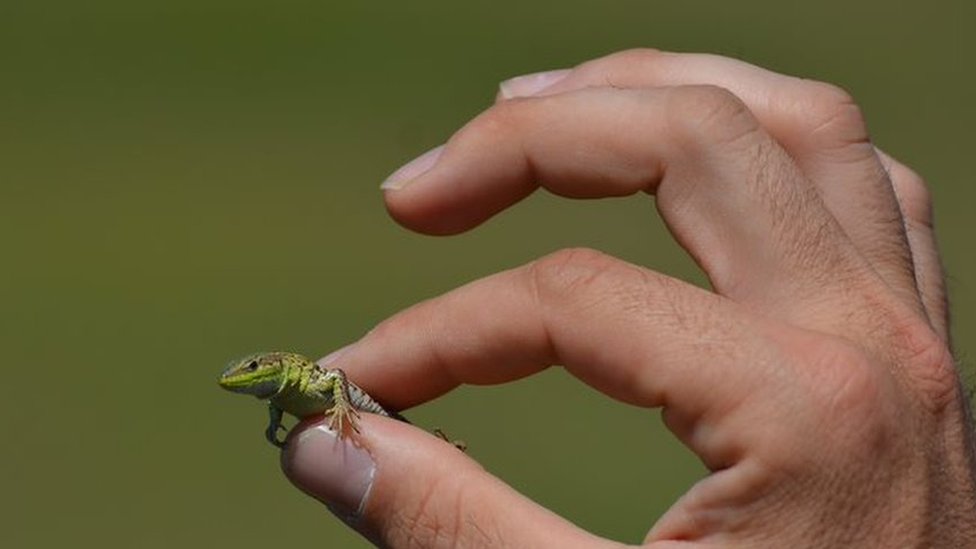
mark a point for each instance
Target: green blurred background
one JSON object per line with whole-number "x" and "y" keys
{"x": 183, "y": 182}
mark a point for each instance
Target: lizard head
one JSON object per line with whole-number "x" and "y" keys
{"x": 261, "y": 375}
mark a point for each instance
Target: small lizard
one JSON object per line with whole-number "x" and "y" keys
{"x": 294, "y": 384}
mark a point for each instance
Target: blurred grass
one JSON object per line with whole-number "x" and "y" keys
{"x": 182, "y": 182}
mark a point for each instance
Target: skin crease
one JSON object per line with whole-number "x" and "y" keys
{"x": 840, "y": 419}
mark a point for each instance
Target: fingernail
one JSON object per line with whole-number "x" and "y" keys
{"x": 331, "y": 470}
{"x": 412, "y": 170}
{"x": 530, "y": 84}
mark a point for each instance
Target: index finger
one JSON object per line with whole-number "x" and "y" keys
{"x": 637, "y": 336}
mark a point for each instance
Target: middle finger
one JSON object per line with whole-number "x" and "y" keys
{"x": 730, "y": 194}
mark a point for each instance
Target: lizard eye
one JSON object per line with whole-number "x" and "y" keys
{"x": 252, "y": 366}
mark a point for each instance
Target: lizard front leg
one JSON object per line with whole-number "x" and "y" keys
{"x": 274, "y": 425}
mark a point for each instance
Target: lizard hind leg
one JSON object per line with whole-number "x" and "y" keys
{"x": 342, "y": 414}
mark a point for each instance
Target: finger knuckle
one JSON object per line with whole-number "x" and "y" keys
{"x": 501, "y": 120}
{"x": 578, "y": 282}
{"x": 832, "y": 112}
{"x": 617, "y": 66}
{"x": 630, "y": 58}
{"x": 864, "y": 393}
{"x": 829, "y": 96}
{"x": 709, "y": 114}
{"x": 572, "y": 271}
{"x": 851, "y": 391}
{"x": 925, "y": 361}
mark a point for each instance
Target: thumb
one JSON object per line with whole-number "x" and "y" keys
{"x": 401, "y": 487}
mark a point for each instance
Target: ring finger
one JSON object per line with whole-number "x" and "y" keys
{"x": 818, "y": 124}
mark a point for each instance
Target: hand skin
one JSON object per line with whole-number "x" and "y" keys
{"x": 815, "y": 381}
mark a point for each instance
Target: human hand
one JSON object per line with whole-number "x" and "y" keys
{"x": 815, "y": 381}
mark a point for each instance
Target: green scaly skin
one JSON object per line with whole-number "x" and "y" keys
{"x": 294, "y": 384}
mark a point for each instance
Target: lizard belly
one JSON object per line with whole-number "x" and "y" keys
{"x": 301, "y": 406}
